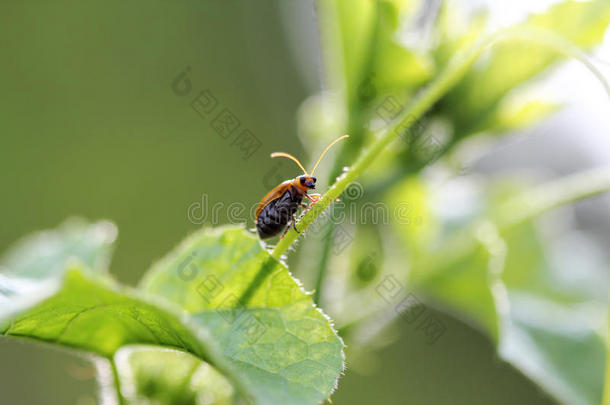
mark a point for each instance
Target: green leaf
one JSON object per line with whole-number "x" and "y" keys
{"x": 151, "y": 374}
{"x": 32, "y": 269}
{"x": 557, "y": 346}
{"x": 44, "y": 254}
{"x": 551, "y": 332}
{"x": 296, "y": 357}
{"x": 267, "y": 327}
{"x": 500, "y": 277}
{"x": 519, "y": 114}
{"x": 79, "y": 307}
{"x": 97, "y": 316}
{"x": 398, "y": 68}
{"x": 346, "y": 30}
{"x": 411, "y": 201}
{"x": 466, "y": 283}
{"x": 454, "y": 31}
{"x": 546, "y": 328}
{"x": 460, "y": 283}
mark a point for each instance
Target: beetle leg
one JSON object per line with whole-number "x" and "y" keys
{"x": 314, "y": 198}
{"x": 293, "y": 226}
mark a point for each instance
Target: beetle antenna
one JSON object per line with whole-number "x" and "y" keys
{"x": 326, "y": 150}
{"x": 289, "y": 156}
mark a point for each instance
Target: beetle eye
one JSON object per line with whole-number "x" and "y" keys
{"x": 302, "y": 179}
{"x": 313, "y": 179}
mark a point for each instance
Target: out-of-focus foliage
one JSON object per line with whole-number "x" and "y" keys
{"x": 502, "y": 280}
{"x": 166, "y": 376}
{"x": 472, "y": 106}
{"x": 34, "y": 267}
{"x": 472, "y": 264}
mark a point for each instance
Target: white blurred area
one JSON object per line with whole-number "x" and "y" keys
{"x": 575, "y": 138}
{"x": 578, "y": 135}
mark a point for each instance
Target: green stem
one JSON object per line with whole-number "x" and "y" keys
{"x": 553, "y": 194}
{"x": 117, "y": 383}
{"x": 456, "y": 69}
{"x": 357, "y": 105}
{"x": 416, "y": 109}
{"x": 323, "y": 264}
{"x": 356, "y": 129}
{"x": 108, "y": 380}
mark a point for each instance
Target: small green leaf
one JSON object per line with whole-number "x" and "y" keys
{"x": 33, "y": 268}
{"x": 461, "y": 283}
{"x": 79, "y": 307}
{"x": 454, "y": 31}
{"x": 466, "y": 283}
{"x": 514, "y": 115}
{"x": 416, "y": 223}
{"x": 398, "y": 68}
{"x": 282, "y": 346}
{"x": 44, "y": 254}
{"x": 150, "y": 374}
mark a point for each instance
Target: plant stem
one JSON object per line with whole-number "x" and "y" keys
{"x": 357, "y": 103}
{"x": 323, "y": 263}
{"x": 117, "y": 383}
{"x": 416, "y": 109}
{"x": 455, "y": 70}
{"x": 553, "y": 194}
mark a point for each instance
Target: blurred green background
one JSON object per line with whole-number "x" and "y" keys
{"x": 91, "y": 127}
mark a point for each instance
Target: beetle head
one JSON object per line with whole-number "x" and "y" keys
{"x": 307, "y": 182}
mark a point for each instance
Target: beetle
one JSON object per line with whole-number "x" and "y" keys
{"x": 278, "y": 208}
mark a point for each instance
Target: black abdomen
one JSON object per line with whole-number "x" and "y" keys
{"x": 278, "y": 213}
